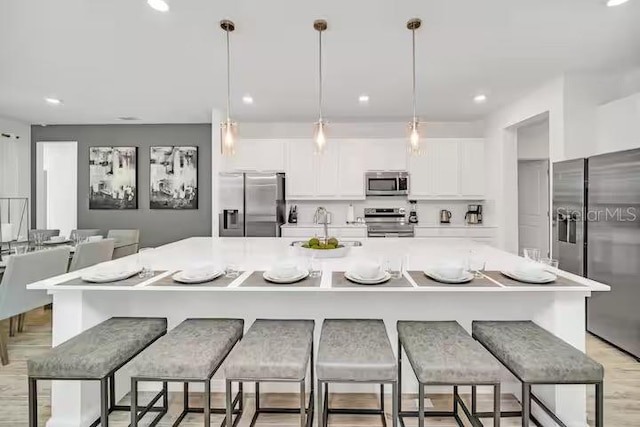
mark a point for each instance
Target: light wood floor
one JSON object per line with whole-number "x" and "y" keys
{"x": 622, "y": 390}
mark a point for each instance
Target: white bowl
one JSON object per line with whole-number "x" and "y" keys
{"x": 58, "y": 239}
{"x": 367, "y": 270}
{"x": 450, "y": 272}
{"x": 284, "y": 270}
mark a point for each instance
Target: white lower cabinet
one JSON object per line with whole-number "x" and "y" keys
{"x": 456, "y": 232}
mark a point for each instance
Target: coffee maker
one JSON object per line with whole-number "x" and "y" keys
{"x": 474, "y": 214}
{"x": 413, "y": 213}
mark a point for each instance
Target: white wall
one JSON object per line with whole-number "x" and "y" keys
{"x": 618, "y": 125}
{"x": 533, "y": 140}
{"x": 15, "y": 159}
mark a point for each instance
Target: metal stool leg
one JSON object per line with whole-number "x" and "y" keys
{"x": 33, "y": 402}
{"x": 474, "y": 400}
{"x": 394, "y": 404}
{"x": 399, "y": 392}
{"x": 228, "y": 405}
{"x": 420, "y": 405}
{"x": 455, "y": 399}
{"x": 526, "y": 404}
{"x": 600, "y": 405}
{"x": 303, "y": 404}
{"x": 319, "y": 399}
{"x": 104, "y": 402}
{"x": 257, "y": 396}
{"x": 496, "y": 405}
{"x": 134, "y": 403}
{"x": 207, "y": 403}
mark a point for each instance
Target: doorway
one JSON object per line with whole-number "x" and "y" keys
{"x": 533, "y": 186}
{"x": 57, "y": 185}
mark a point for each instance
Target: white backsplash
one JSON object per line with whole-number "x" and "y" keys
{"x": 428, "y": 210}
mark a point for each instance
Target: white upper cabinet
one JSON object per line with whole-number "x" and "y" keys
{"x": 448, "y": 169}
{"x": 386, "y": 155}
{"x": 338, "y": 173}
{"x": 257, "y": 155}
{"x": 472, "y": 168}
{"x": 352, "y": 165}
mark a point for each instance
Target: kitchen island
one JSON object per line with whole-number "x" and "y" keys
{"x": 560, "y": 308}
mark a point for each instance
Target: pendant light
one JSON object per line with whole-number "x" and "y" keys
{"x": 228, "y": 128}
{"x": 320, "y": 128}
{"x": 414, "y": 126}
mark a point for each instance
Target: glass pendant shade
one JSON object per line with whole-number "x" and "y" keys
{"x": 229, "y": 136}
{"x": 414, "y": 138}
{"x": 320, "y": 136}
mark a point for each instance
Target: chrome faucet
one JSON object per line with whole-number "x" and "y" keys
{"x": 321, "y": 217}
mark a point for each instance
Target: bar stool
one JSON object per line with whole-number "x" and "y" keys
{"x": 171, "y": 359}
{"x": 536, "y": 356}
{"x": 273, "y": 351}
{"x": 95, "y": 355}
{"x": 355, "y": 351}
{"x": 443, "y": 353}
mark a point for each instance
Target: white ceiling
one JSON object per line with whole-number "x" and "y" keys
{"x": 111, "y": 58}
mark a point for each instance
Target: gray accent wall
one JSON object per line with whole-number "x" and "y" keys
{"x": 157, "y": 227}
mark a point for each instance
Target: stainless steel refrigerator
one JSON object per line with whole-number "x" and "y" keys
{"x": 610, "y": 236}
{"x": 251, "y": 204}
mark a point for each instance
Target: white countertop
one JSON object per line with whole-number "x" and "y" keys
{"x": 257, "y": 254}
{"x": 312, "y": 225}
{"x": 456, "y": 225}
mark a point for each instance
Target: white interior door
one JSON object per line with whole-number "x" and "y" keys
{"x": 533, "y": 205}
{"x": 57, "y": 186}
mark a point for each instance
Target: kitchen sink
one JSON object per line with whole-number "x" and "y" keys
{"x": 351, "y": 243}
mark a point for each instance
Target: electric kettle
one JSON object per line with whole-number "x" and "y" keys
{"x": 445, "y": 216}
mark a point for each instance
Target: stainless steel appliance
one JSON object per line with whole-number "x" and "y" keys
{"x": 387, "y": 183}
{"x": 387, "y": 222}
{"x": 474, "y": 214}
{"x": 613, "y": 242}
{"x": 569, "y": 205}
{"x": 251, "y": 204}
{"x": 413, "y": 213}
{"x": 445, "y": 216}
{"x": 596, "y": 233}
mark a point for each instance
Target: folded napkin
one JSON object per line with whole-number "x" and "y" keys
{"x": 199, "y": 272}
{"x": 366, "y": 269}
{"x": 285, "y": 270}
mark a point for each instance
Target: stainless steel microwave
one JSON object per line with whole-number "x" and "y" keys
{"x": 387, "y": 183}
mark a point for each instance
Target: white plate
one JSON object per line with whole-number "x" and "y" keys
{"x": 206, "y": 277}
{"x": 302, "y": 274}
{"x": 105, "y": 276}
{"x": 56, "y": 242}
{"x": 545, "y": 278}
{"x": 362, "y": 281}
{"x": 466, "y": 278}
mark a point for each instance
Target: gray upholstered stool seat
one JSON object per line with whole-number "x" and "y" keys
{"x": 443, "y": 353}
{"x": 98, "y": 350}
{"x": 273, "y": 350}
{"x": 191, "y": 352}
{"x": 355, "y": 350}
{"x": 96, "y": 354}
{"x": 536, "y": 356}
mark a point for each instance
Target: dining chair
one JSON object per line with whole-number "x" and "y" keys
{"x": 84, "y": 233}
{"x": 47, "y": 234}
{"x": 22, "y": 270}
{"x": 91, "y": 253}
{"x": 127, "y": 242}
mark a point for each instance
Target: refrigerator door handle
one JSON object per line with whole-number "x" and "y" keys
{"x": 563, "y": 228}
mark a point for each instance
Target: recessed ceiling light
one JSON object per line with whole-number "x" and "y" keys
{"x": 480, "y": 99}
{"x": 612, "y": 3}
{"x": 128, "y": 118}
{"x": 247, "y": 99}
{"x": 363, "y": 99}
{"x": 53, "y": 101}
{"x": 159, "y": 5}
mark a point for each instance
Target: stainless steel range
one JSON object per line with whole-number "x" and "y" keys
{"x": 387, "y": 222}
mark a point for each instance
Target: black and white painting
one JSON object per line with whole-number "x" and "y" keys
{"x": 112, "y": 177}
{"x": 174, "y": 178}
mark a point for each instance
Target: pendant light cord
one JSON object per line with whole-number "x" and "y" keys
{"x": 413, "y": 37}
{"x": 320, "y": 74}
{"x": 228, "y": 79}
